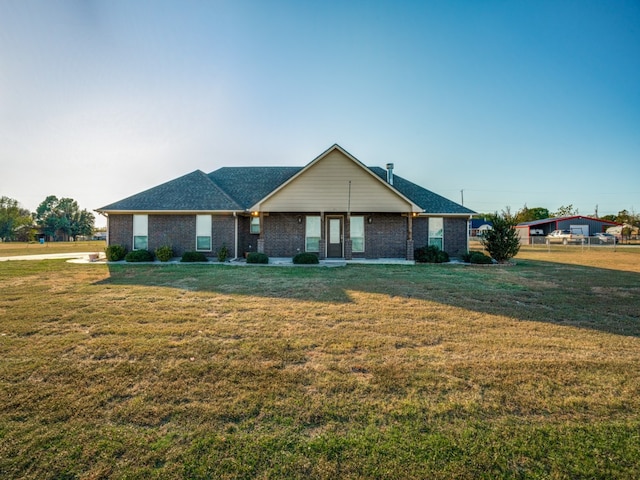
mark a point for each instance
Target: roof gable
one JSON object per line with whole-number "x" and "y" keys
{"x": 335, "y": 181}
{"x": 192, "y": 192}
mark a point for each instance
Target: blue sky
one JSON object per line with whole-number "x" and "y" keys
{"x": 513, "y": 102}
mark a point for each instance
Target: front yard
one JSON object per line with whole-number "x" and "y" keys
{"x": 427, "y": 371}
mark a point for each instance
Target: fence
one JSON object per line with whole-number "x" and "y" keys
{"x": 541, "y": 241}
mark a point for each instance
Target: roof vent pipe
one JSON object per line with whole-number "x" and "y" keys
{"x": 390, "y": 173}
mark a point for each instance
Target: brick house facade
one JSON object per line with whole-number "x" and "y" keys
{"x": 335, "y": 206}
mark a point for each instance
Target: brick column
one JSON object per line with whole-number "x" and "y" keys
{"x": 410, "y": 249}
{"x": 348, "y": 249}
{"x": 323, "y": 250}
{"x": 260, "y": 247}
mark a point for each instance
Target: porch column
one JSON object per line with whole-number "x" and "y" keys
{"x": 322, "y": 244}
{"x": 260, "y": 246}
{"x": 410, "y": 246}
{"x": 348, "y": 243}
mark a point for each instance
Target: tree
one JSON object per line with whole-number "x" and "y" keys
{"x": 502, "y": 241}
{"x": 530, "y": 214}
{"x": 12, "y": 218}
{"x": 566, "y": 211}
{"x": 63, "y": 219}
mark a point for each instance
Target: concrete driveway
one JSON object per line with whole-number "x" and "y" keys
{"x": 54, "y": 256}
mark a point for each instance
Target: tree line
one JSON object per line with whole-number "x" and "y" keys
{"x": 55, "y": 219}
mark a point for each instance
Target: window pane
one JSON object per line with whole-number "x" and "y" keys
{"x": 203, "y": 243}
{"x": 255, "y": 225}
{"x": 436, "y": 227}
{"x": 357, "y": 227}
{"x": 312, "y": 234}
{"x": 140, "y": 242}
{"x": 357, "y": 234}
{"x": 203, "y": 225}
{"x": 313, "y": 227}
{"x": 334, "y": 230}
{"x": 313, "y": 244}
{"x": 436, "y": 241}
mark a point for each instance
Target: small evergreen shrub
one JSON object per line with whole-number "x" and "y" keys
{"x": 193, "y": 257}
{"x": 115, "y": 253}
{"x": 223, "y": 253}
{"x": 139, "y": 256}
{"x": 502, "y": 241}
{"x": 430, "y": 254}
{"x": 477, "y": 258}
{"x": 164, "y": 253}
{"x": 306, "y": 258}
{"x": 257, "y": 257}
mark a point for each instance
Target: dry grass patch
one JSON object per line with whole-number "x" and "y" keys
{"x": 186, "y": 371}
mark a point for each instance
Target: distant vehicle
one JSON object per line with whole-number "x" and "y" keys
{"x": 565, "y": 237}
{"x": 605, "y": 238}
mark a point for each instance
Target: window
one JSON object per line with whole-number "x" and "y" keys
{"x": 312, "y": 235}
{"x": 203, "y": 233}
{"x": 357, "y": 234}
{"x": 141, "y": 232}
{"x": 255, "y": 225}
{"x": 436, "y": 232}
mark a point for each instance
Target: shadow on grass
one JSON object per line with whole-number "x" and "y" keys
{"x": 569, "y": 295}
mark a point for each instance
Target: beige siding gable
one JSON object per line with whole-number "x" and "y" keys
{"x": 324, "y": 186}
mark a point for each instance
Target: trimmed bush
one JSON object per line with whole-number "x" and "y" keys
{"x": 223, "y": 253}
{"x": 193, "y": 257}
{"x": 306, "y": 258}
{"x": 164, "y": 253}
{"x": 256, "y": 257}
{"x": 430, "y": 254}
{"x": 139, "y": 256}
{"x": 502, "y": 241}
{"x": 115, "y": 253}
{"x": 476, "y": 257}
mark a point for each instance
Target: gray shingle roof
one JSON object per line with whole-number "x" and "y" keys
{"x": 192, "y": 192}
{"x": 238, "y": 188}
{"x": 429, "y": 201}
{"x": 248, "y": 185}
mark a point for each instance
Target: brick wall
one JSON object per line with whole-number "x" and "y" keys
{"x": 385, "y": 236}
{"x": 455, "y": 236}
{"x": 247, "y": 242}
{"x": 283, "y": 234}
{"x": 120, "y": 230}
{"x": 177, "y": 231}
{"x": 223, "y": 233}
{"x": 420, "y": 232}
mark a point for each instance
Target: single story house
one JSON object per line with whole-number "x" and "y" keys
{"x": 334, "y": 206}
{"x": 479, "y": 226}
{"x": 576, "y": 223}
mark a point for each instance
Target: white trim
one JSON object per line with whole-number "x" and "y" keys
{"x": 170, "y": 212}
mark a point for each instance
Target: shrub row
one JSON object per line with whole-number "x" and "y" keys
{"x": 430, "y": 254}
{"x": 115, "y": 253}
{"x": 306, "y": 258}
{"x": 476, "y": 257}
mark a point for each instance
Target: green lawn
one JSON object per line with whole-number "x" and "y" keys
{"x": 213, "y": 371}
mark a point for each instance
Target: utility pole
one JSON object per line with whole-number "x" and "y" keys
{"x": 462, "y": 196}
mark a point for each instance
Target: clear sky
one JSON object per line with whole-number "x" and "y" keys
{"x": 514, "y": 102}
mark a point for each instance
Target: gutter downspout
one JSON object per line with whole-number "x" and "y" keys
{"x": 235, "y": 242}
